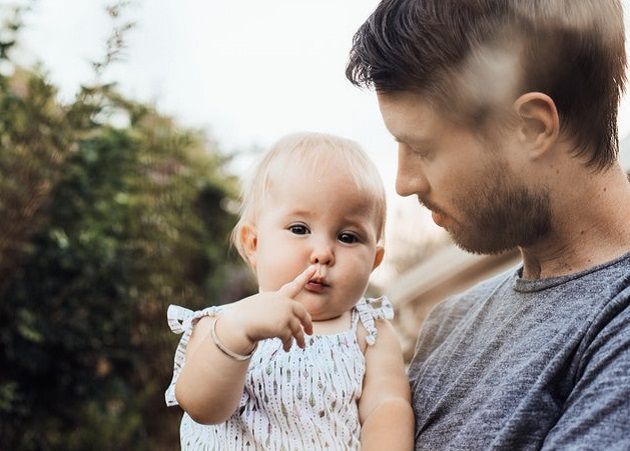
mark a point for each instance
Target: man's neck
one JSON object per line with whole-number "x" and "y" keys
{"x": 590, "y": 227}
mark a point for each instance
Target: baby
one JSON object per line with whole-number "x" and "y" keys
{"x": 308, "y": 362}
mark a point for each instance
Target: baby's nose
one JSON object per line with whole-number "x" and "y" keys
{"x": 323, "y": 255}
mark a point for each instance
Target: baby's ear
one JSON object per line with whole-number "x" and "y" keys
{"x": 249, "y": 239}
{"x": 378, "y": 258}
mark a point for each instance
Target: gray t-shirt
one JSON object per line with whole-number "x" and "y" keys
{"x": 528, "y": 364}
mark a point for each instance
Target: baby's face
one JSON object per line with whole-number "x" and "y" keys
{"x": 329, "y": 222}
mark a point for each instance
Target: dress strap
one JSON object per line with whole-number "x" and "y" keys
{"x": 181, "y": 321}
{"x": 354, "y": 317}
{"x": 371, "y": 309}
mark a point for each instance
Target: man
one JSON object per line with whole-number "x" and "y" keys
{"x": 505, "y": 117}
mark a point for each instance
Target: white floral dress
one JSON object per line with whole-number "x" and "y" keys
{"x": 304, "y": 399}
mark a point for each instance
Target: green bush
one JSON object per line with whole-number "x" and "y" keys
{"x": 101, "y": 227}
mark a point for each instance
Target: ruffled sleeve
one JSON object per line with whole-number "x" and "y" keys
{"x": 181, "y": 321}
{"x": 372, "y": 309}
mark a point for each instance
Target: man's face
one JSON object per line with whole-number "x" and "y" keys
{"x": 474, "y": 187}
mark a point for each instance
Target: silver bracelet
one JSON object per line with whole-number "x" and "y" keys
{"x": 224, "y": 349}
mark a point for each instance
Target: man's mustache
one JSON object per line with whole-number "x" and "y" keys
{"x": 430, "y": 205}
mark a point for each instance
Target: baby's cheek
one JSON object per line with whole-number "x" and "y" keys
{"x": 365, "y": 262}
{"x": 361, "y": 270}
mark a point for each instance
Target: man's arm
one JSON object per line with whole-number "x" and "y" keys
{"x": 597, "y": 412}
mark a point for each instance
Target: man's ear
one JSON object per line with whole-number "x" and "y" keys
{"x": 539, "y": 124}
{"x": 378, "y": 258}
{"x": 249, "y": 239}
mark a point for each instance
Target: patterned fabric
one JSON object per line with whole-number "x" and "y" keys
{"x": 304, "y": 399}
{"x": 182, "y": 320}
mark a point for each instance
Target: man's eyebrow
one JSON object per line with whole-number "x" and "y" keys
{"x": 410, "y": 139}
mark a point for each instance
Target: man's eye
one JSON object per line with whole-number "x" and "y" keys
{"x": 298, "y": 229}
{"x": 422, "y": 153}
{"x": 348, "y": 238}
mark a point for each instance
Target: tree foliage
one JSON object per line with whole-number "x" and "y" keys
{"x": 101, "y": 227}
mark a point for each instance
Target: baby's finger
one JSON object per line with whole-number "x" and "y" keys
{"x": 287, "y": 342}
{"x": 304, "y": 317}
{"x": 298, "y": 333}
{"x": 293, "y": 288}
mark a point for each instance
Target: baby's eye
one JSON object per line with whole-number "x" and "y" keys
{"x": 348, "y": 238}
{"x": 298, "y": 229}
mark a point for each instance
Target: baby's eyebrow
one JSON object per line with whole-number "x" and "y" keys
{"x": 300, "y": 212}
{"x": 361, "y": 222}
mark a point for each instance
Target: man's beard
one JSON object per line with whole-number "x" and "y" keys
{"x": 500, "y": 214}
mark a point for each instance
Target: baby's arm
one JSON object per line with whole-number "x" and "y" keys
{"x": 385, "y": 412}
{"x": 211, "y": 383}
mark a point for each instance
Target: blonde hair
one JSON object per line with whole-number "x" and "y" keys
{"x": 309, "y": 150}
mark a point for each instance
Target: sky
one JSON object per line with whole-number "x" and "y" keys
{"x": 248, "y": 71}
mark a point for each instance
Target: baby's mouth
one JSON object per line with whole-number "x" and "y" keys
{"x": 317, "y": 284}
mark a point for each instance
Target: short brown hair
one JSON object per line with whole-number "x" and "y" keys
{"x": 571, "y": 50}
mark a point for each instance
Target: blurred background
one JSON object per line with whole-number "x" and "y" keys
{"x": 125, "y": 128}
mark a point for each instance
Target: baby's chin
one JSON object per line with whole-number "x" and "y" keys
{"x": 326, "y": 316}
{"x": 318, "y": 310}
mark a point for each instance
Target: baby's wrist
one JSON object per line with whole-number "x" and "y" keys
{"x": 233, "y": 334}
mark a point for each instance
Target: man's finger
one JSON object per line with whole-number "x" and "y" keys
{"x": 293, "y": 288}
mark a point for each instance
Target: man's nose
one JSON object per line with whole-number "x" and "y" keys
{"x": 410, "y": 178}
{"x": 323, "y": 253}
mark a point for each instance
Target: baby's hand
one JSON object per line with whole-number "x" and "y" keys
{"x": 275, "y": 313}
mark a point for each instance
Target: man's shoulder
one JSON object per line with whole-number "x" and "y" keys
{"x": 449, "y": 313}
{"x": 459, "y": 304}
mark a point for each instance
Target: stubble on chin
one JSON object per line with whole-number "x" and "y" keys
{"x": 501, "y": 217}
